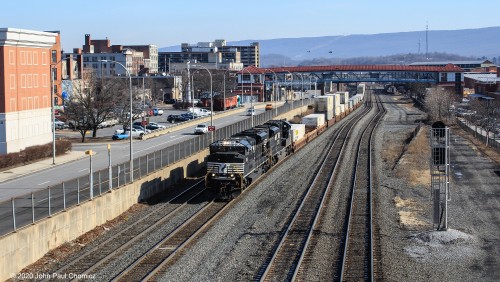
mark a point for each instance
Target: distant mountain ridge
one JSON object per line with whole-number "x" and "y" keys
{"x": 477, "y": 42}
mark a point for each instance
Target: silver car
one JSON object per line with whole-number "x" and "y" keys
{"x": 201, "y": 129}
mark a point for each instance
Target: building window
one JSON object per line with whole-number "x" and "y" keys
{"x": 23, "y": 81}
{"x": 86, "y": 59}
{"x": 35, "y": 58}
{"x": 35, "y": 81}
{"x": 29, "y": 58}
{"x": 103, "y": 58}
{"x": 29, "y": 79}
{"x": 12, "y": 81}
{"x": 44, "y": 58}
{"x": 23, "y": 58}
{"x": 44, "y": 80}
{"x": 94, "y": 59}
{"x": 54, "y": 56}
{"x": 444, "y": 77}
{"x": 54, "y": 74}
{"x": 12, "y": 57}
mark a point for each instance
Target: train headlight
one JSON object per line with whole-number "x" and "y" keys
{"x": 232, "y": 175}
{"x": 213, "y": 174}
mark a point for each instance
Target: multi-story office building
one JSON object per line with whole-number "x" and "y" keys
{"x": 26, "y": 60}
{"x": 213, "y": 55}
{"x": 150, "y": 54}
{"x": 128, "y": 58}
{"x": 249, "y": 55}
{"x": 138, "y": 59}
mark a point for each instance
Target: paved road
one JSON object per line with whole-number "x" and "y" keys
{"x": 119, "y": 154}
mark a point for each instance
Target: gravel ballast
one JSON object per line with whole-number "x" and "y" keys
{"x": 236, "y": 247}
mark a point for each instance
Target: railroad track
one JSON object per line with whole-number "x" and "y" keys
{"x": 150, "y": 265}
{"x": 284, "y": 263}
{"x": 358, "y": 261}
{"x": 97, "y": 257}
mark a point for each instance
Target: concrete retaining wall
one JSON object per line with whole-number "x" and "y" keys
{"x": 28, "y": 244}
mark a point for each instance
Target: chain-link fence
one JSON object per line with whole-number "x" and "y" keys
{"x": 487, "y": 138}
{"x": 27, "y": 209}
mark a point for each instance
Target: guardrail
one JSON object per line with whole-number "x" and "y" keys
{"x": 30, "y": 208}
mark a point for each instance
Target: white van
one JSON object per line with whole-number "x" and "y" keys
{"x": 199, "y": 111}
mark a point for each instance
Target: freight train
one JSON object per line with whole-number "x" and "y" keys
{"x": 234, "y": 162}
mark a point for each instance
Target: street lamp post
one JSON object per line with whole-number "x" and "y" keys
{"x": 273, "y": 88}
{"x": 291, "y": 84}
{"x": 302, "y": 90}
{"x": 211, "y": 99}
{"x": 130, "y": 118}
{"x": 224, "y": 90}
{"x": 251, "y": 93}
{"x": 52, "y": 108}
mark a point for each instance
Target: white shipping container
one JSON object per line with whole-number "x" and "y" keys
{"x": 298, "y": 131}
{"x": 324, "y": 103}
{"x": 344, "y": 97}
{"x": 351, "y": 104}
{"x": 336, "y": 99}
{"x": 342, "y": 108}
{"x": 337, "y": 111}
{"x": 314, "y": 120}
{"x": 329, "y": 115}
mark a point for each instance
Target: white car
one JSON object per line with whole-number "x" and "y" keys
{"x": 250, "y": 112}
{"x": 201, "y": 129}
{"x": 136, "y": 133}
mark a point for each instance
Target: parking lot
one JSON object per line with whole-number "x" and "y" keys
{"x": 107, "y": 132}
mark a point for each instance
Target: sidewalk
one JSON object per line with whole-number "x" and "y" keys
{"x": 19, "y": 171}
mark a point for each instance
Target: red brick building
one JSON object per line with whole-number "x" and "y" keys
{"x": 25, "y": 82}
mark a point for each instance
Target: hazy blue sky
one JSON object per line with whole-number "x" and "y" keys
{"x": 167, "y": 23}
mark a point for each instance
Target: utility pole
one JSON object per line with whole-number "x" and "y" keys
{"x": 188, "y": 90}
{"x": 427, "y": 40}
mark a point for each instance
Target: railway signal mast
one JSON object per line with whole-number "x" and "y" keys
{"x": 440, "y": 173}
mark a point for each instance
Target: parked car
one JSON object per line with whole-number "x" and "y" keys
{"x": 119, "y": 136}
{"x": 140, "y": 127}
{"x": 201, "y": 129}
{"x": 176, "y": 118}
{"x": 269, "y": 107}
{"x": 250, "y": 112}
{"x": 137, "y": 133}
{"x": 157, "y": 112}
{"x": 190, "y": 115}
{"x": 170, "y": 101}
{"x": 199, "y": 112}
{"x": 154, "y": 126}
{"x": 120, "y": 133}
{"x": 59, "y": 124}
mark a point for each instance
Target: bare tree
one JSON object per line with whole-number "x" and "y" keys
{"x": 438, "y": 102}
{"x": 486, "y": 114}
{"x": 94, "y": 100}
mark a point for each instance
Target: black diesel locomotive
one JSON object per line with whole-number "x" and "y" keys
{"x": 234, "y": 162}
